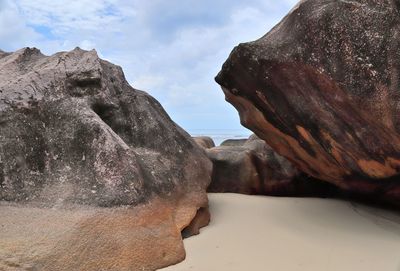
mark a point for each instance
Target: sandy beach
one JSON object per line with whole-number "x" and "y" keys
{"x": 289, "y": 234}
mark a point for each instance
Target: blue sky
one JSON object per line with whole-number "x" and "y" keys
{"x": 171, "y": 49}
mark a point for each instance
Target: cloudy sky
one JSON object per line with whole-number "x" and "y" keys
{"x": 172, "y": 49}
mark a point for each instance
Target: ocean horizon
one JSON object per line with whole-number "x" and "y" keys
{"x": 220, "y": 135}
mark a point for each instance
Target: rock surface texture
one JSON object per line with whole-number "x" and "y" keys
{"x": 76, "y": 139}
{"x": 205, "y": 142}
{"x": 233, "y": 142}
{"x": 256, "y": 169}
{"x": 322, "y": 88}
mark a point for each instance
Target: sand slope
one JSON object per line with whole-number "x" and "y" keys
{"x": 282, "y": 234}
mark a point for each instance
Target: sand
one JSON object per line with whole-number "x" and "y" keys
{"x": 279, "y": 234}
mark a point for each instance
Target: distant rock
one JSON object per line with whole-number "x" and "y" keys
{"x": 75, "y": 135}
{"x": 3, "y": 54}
{"x": 205, "y": 142}
{"x": 322, "y": 88}
{"x": 233, "y": 142}
{"x": 256, "y": 169}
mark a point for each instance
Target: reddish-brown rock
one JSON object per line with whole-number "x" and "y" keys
{"x": 201, "y": 220}
{"x": 322, "y": 88}
{"x": 256, "y": 169}
{"x": 94, "y": 175}
{"x": 205, "y": 142}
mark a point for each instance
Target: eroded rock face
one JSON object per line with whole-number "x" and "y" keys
{"x": 205, "y": 142}
{"x": 322, "y": 88}
{"x": 233, "y": 142}
{"x": 74, "y": 134}
{"x": 201, "y": 220}
{"x": 256, "y": 169}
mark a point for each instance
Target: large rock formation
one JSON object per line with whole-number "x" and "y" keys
{"x": 233, "y": 142}
{"x": 205, "y": 142}
{"x": 256, "y": 169}
{"x": 111, "y": 179}
{"x": 322, "y": 88}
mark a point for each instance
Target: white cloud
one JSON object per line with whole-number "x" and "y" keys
{"x": 64, "y": 16}
{"x": 147, "y": 81}
{"x": 87, "y": 45}
{"x": 13, "y": 28}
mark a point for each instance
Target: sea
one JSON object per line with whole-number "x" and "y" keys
{"x": 220, "y": 135}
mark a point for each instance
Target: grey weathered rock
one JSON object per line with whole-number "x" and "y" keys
{"x": 233, "y": 142}
{"x": 74, "y": 133}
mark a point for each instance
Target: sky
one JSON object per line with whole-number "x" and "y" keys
{"x": 171, "y": 49}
